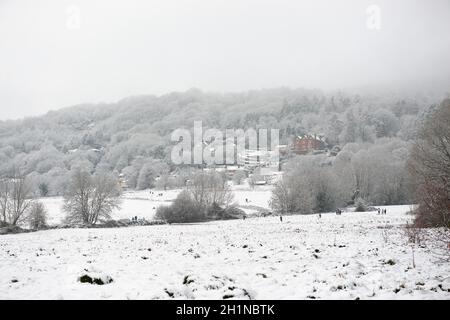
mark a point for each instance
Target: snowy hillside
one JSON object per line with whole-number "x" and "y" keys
{"x": 356, "y": 255}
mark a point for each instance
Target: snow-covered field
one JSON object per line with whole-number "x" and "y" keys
{"x": 143, "y": 204}
{"x": 356, "y": 255}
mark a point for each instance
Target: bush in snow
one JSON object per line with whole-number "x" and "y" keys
{"x": 215, "y": 212}
{"x": 239, "y": 177}
{"x": 234, "y": 213}
{"x": 94, "y": 276}
{"x": 43, "y": 189}
{"x": 38, "y": 216}
{"x": 186, "y": 209}
{"x": 93, "y": 280}
{"x": 361, "y": 205}
{"x": 183, "y": 209}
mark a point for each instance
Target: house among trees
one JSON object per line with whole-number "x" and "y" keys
{"x": 308, "y": 143}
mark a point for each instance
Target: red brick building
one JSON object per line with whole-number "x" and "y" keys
{"x": 307, "y": 143}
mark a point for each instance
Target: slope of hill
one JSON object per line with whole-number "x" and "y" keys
{"x": 133, "y": 134}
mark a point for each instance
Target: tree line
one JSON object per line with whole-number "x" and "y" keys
{"x": 389, "y": 171}
{"x": 375, "y": 173}
{"x": 88, "y": 199}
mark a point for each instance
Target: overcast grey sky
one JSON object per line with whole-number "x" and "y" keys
{"x": 56, "y": 53}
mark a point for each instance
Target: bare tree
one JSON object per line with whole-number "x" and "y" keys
{"x": 90, "y": 199}
{"x": 281, "y": 199}
{"x": 5, "y": 186}
{"x": 16, "y": 197}
{"x": 21, "y": 198}
{"x": 239, "y": 177}
{"x": 210, "y": 188}
{"x": 430, "y": 165}
{"x": 292, "y": 195}
{"x": 38, "y": 216}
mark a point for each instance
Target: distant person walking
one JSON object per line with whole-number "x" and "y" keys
{"x": 281, "y": 218}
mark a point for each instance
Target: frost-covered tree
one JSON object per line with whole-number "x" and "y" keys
{"x": 151, "y": 170}
{"x": 37, "y": 217}
{"x": 385, "y": 122}
{"x": 210, "y": 188}
{"x": 90, "y": 199}
{"x": 43, "y": 189}
{"x": 430, "y": 165}
{"x": 5, "y": 193}
{"x": 183, "y": 209}
{"x": 292, "y": 195}
{"x": 146, "y": 178}
{"x": 239, "y": 177}
{"x": 375, "y": 173}
{"x": 16, "y": 198}
{"x": 379, "y": 171}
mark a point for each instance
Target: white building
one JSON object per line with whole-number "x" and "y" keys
{"x": 258, "y": 158}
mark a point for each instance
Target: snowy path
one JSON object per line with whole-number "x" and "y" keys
{"x": 356, "y": 255}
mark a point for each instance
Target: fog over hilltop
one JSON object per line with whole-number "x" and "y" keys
{"x": 59, "y": 53}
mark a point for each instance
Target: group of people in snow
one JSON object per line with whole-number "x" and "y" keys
{"x": 158, "y": 195}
